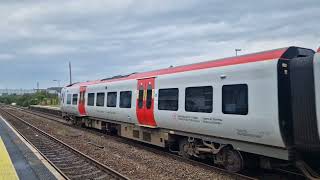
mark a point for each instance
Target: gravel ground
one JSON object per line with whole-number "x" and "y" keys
{"x": 132, "y": 161}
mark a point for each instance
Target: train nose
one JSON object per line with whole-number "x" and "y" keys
{"x": 316, "y": 67}
{"x": 305, "y": 102}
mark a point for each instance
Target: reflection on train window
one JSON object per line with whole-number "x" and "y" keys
{"x": 100, "y": 99}
{"x": 168, "y": 99}
{"x": 90, "y": 99}
{"x": 199, "y": 99}
{"x": 112, "y": 99}
{"x": 149, "y": 97}
{"x": 74, "y": 99}
{"x": 140, "y": 98}
{"x": 235, "y": 99}
{"x": 125, "y": 99}
{"x": 68, "y": 98}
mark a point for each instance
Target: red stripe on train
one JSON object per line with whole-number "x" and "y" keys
{"x": 262, "y": 56}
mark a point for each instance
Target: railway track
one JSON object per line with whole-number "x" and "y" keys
{"x": 71, "y": 163}
{"x": 245, "y": 175}
{"x": 56, "y": 118}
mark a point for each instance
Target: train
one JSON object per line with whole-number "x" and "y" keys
{"x": 264, "y": 105}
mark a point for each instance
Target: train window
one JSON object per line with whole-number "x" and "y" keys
{"x": 125, "y": 99}
{"x": 81, "y": 99}
{"x": 90, "y": 99}
{"x": 168, "y": 99}
{"x": 199, "y": 99}
{"x": 100, "y": 99}
{"x": 68, "y": 98}
{"x": 235, "y": 99}
{"x": 74, "y": 99}
{"x": 112, "y": 99}
{"x": 149, "y": 97}
{"x": 140, "y": 98}
{"x": 62, "y": 98}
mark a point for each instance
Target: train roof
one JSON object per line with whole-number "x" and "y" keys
{"x": 283, "y": 53}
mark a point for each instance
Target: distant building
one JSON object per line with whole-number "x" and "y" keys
{"x": 4, "y": 92}
{"x": 51, "y": 90}
{"x": 56, "y": 89}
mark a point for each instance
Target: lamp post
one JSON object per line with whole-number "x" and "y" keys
{"x": 237, "y": 51}
{"x": 70, "y": 75}
{"x": 57, "y": 81}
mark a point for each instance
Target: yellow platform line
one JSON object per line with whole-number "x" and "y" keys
{"x": 7, "y": 170}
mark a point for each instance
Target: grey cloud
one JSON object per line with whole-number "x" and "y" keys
{"x": 104, "y": 38}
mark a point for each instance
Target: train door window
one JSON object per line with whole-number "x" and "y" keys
{"x": 81, "y": 99}
{"x": 90, "y": 99}
{"x": 100, "y": 99}
{"x": 199, "y": 99}
{"x": 140, "y": 97}
{"x": 112, "y": 99}
{"x": 235, "y": 99}
{"x": 149, "y": 97}
{"x": 74, "y": 99}
{"x": 125, "y": 99}
{"x": 62, "y": 98}
{"x": 168, "y": 99}
{"x": 68, "y": 98}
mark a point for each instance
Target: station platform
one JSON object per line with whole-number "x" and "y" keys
{"x": 19, "y": 159}
{"x": 57, "y": 108}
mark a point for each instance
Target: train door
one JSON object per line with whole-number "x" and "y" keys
{"x": 82, "y": 101}
{"x": 145, "y": 102}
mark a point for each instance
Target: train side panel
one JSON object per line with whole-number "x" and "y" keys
{"x": 71, "y": 108}
{"x": 260, "y": 125}
{"x": 127, "y": 115}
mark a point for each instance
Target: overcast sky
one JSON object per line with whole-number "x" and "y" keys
{"x": 111, "y": 37}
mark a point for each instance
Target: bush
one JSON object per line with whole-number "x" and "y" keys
{"x": 31, "y": 99}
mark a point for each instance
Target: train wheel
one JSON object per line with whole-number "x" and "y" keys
{"x": 184, "y": 148}
{"x": 233, "y": 160}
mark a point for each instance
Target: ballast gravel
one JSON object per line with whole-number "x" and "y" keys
{"x": 132, "y": 161}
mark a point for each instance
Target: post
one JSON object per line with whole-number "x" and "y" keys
{"x": 57, "y": 81}
{"x": 70, "y": 76}
{"x": 237, "y": 51}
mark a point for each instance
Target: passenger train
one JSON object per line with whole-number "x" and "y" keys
{"x": 265, "y": 104}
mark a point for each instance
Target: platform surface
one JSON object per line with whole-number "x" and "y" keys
{"x": 47, "y": 107}
{"x": 19, "y": 160}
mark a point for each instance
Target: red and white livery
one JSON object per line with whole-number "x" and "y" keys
{"x": 267, "y": 103}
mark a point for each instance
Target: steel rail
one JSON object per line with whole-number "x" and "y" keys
{"x": 128, "y": 141}
{"x": 101, "y": 166}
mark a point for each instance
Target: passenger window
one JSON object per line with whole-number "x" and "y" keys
{"x": 140, "y": 98}
{"x": 74, "y": 99}
{"x": 90, "y": 99}
{"x": 235, "y": 99}
{"x": 125, "y": 99}
{"x": 168, "y": 99}
{"x": 112, "y": 99}
{"x": 68, "y": 98}
{"x": 149, "y": 97}
{"x": 199, "y": 99}
{"x": 100, "y": 99}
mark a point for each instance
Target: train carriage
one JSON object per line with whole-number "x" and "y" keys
{"x": 263, "y": 103}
